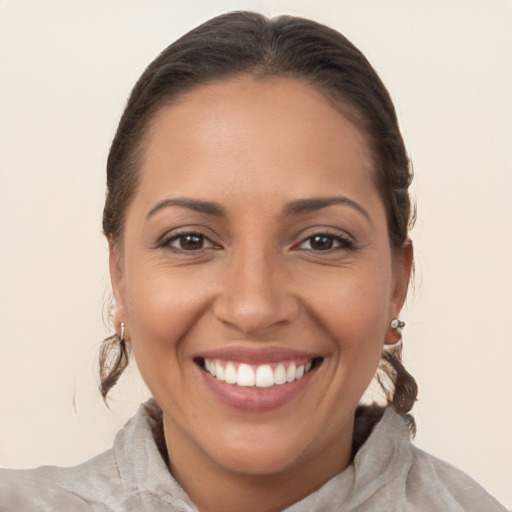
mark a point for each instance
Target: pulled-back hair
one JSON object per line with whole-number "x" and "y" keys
{"x": 246, "y": 43}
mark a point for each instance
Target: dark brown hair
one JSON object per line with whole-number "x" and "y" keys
{"x": 245, "y": 43}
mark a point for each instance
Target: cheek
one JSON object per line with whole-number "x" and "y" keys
{"x": 353, "y": 303}
{"x": 352, "y": 308}
{"x": 163, "y": 306}
{"x": 354, "y": 314}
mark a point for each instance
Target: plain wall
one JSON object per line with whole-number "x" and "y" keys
{"x": 66, "y": 68}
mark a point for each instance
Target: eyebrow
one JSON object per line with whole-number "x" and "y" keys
{"x": 208, "y": 207}
{"x": 317, "y": 203}
{"x": 294, "y": 208}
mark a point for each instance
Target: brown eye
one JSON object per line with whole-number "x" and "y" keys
{"x": 191, "y": 242}
{"x": 324, "y": 242}
{"x": 188, "y": 242}
{"x": 321, "y": 242}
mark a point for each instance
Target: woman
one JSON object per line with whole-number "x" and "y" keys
{"x": 257, "y": 218}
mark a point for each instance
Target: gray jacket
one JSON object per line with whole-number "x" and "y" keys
{"x": 387, "y": 474}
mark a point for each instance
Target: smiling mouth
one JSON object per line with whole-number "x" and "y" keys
{"x": 258, "y": 376}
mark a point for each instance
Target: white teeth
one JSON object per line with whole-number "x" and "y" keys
{"x": 280, "y": 375}
{"x": 219, "y": 371}
{"x": 290, "y": 373}
{"x": 230, "y": 373}
{"x": 245, "y": 376}
{"x": 262, "y": 376}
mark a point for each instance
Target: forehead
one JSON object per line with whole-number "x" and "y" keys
{"x": 267, "y": 134}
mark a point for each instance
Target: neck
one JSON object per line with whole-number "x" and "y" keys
{"x": 212, "y": 487}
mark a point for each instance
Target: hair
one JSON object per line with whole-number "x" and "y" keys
{"x": 246, "y": 43}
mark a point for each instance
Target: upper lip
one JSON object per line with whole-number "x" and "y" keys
{"x": 257, "y": 356}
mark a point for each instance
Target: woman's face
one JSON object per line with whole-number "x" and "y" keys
{"x": 256, "y": 249}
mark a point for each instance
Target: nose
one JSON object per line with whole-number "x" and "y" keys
{"x": 256, "y": 294}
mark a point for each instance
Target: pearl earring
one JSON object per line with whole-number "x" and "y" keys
{"x": 396, "y": 324}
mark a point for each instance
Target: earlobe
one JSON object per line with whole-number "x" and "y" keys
{"x": 117, "y": 280}
{"x": 394, "y": 334}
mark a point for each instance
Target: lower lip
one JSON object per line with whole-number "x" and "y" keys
{"x": 253, "y": 398}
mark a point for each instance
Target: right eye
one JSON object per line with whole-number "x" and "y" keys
{"x": 187, "y": 242}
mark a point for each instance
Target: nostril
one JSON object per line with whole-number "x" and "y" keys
{"x": 253, "y": 313}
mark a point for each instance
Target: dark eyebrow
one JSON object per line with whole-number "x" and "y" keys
{"x": 208, "y": 207}
{"x": 317, "y": 203}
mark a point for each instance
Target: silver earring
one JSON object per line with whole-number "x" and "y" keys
{"x": 397, "y": 324}
{"x": 121, "y": 336}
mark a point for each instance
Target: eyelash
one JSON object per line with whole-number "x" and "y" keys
{"x": 167, "y": 241}
{"x": 341, "y": 242}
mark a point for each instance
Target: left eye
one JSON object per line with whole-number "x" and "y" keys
{"x": 325, "y": 242}
{"x": 188, "y": 242}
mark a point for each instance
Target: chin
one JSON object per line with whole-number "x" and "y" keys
{"x": 257, "y": 458}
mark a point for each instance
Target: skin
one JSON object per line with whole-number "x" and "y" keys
{"x": 254, "y": 146}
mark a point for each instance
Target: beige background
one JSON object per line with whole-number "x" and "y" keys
{"x": 66, "y": 68}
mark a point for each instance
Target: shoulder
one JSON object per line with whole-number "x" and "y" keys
{"x": 130, "y": 477}
{"x": 390, "y": 473}
{"x": 426, "y": 482}
{"x": 431, "y": 478}
{"x": 87, "y": 486}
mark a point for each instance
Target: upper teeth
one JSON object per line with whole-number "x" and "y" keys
{"x": 262, "y": 376}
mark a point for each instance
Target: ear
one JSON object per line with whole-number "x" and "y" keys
{"x": 402, "y": 269}
{"x": 117, "y": 280}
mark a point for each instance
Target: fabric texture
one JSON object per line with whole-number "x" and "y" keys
{"x": 388, "y": 474}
